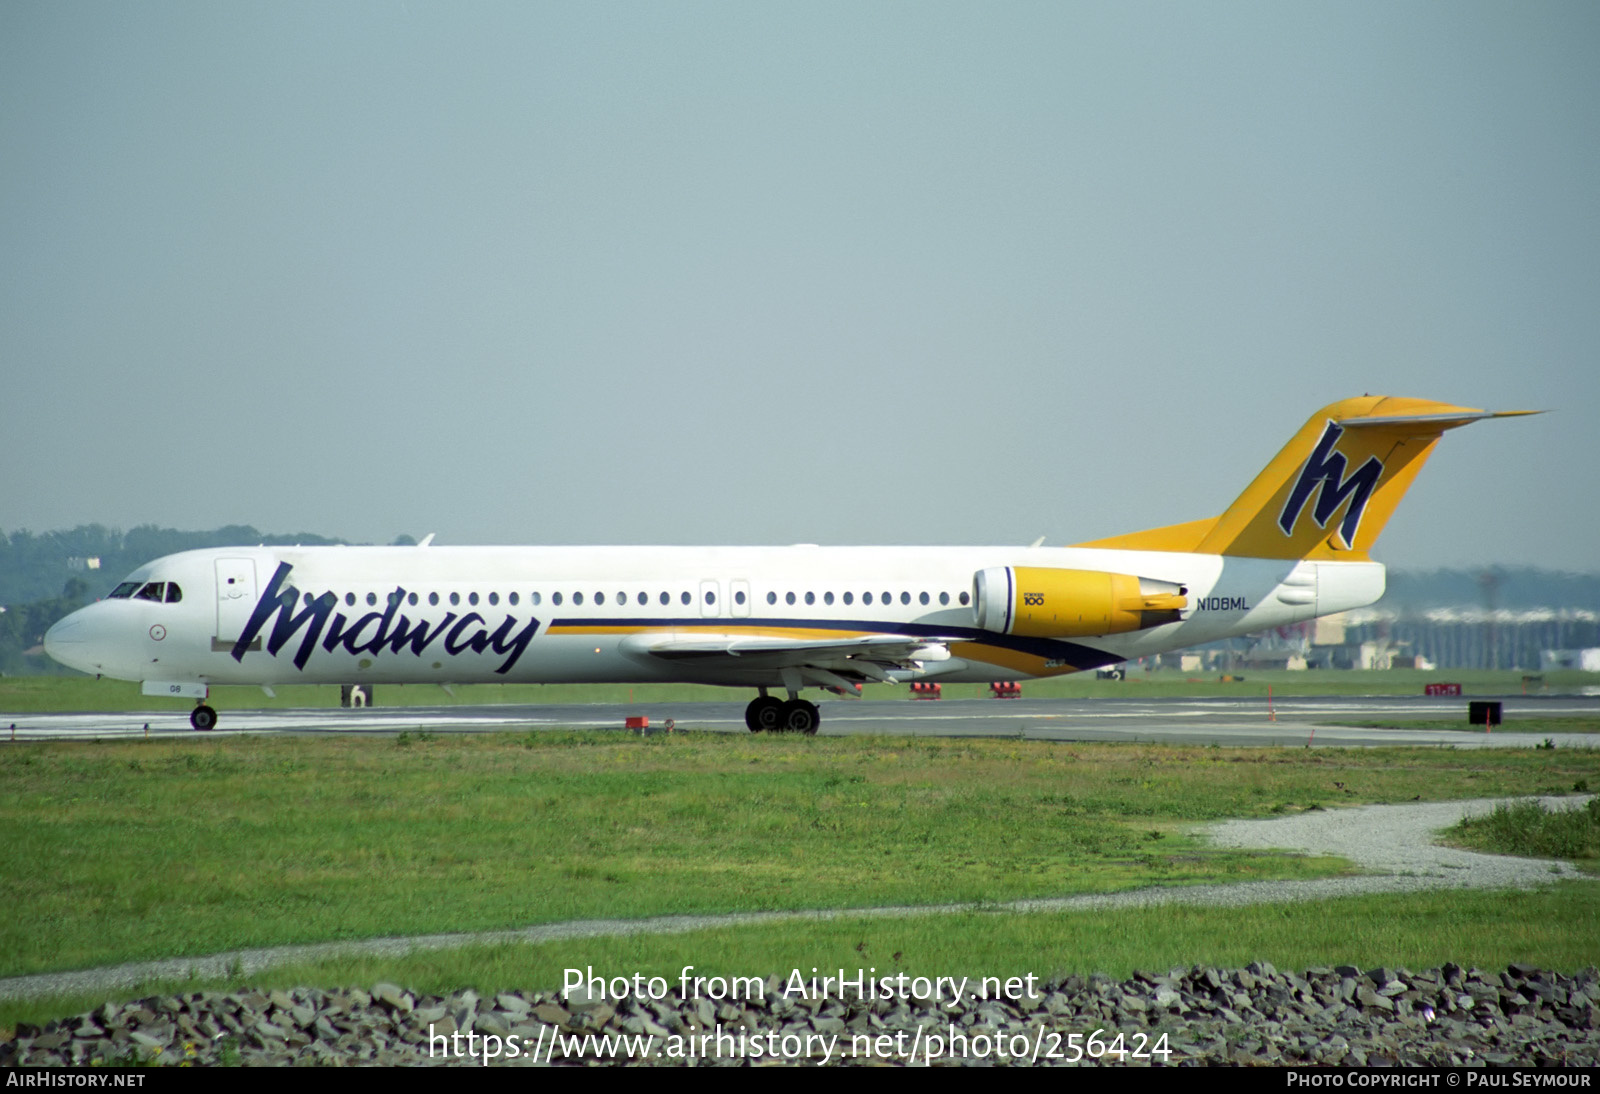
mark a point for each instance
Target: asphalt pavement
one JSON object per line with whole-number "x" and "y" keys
{"x": 1235, "y": 722}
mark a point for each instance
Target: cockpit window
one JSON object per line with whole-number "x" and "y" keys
{"x": 157, "y": 591}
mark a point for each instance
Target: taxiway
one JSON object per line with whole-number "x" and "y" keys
{"x": 1233, "y": 722}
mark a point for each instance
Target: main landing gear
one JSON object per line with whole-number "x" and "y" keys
{"x": 768, "y": 713}
{"x": 203, "y": 717}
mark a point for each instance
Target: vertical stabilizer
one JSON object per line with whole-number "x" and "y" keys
{"x": 1331, "y": 489}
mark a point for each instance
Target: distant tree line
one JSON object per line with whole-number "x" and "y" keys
{"x": 45, "y": 576}
{"x": 1517, "y": 588}
{"x": 34, "y": 566}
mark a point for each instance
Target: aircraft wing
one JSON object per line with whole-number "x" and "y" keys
{"x": 834, "y": 662}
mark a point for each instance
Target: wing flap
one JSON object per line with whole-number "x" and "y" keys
{"x": 879, "y": 646}
{"x": 868, "y": 656}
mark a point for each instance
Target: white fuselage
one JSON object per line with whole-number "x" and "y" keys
{"x": 592, "y": 614}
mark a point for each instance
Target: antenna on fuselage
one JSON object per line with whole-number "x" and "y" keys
{"x": 427, "y": 539}
{"x": 1037, "y": 543}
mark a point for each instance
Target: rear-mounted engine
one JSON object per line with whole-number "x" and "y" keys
{"x": 1043, "y": 602}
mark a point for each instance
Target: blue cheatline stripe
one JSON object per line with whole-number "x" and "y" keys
{"x": 1051, "y": 649}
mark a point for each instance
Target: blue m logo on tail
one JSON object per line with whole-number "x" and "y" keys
{"x": 1325, "y": 468}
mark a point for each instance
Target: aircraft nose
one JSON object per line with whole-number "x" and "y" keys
{"x": 64, "y": 633}
{"x": 67, "y": 642}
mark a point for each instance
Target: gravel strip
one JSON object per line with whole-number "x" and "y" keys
{"x": 1446, "y": 1017}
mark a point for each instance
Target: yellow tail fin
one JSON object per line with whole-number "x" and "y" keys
{"x": 1330, "y": 491}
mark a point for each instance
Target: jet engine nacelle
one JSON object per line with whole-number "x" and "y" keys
{"x": 1045, "y": 602}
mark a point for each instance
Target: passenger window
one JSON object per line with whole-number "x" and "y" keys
{"x": 372, "y": 600}
{"x": 944, "y": 598}
{"x": 349, "y": 600}
{"x": 923, "y": 598}
{"x": 964, "y": 599}
{"x": 555, "y": 598}
{"x": 511, "y": 598}
{"x": 772, "y": 598}
{"x": 643, "y": 599}
{"x": 666, "y": 598}
{"x": 711, "y": 597}
{"x": 827, "y": 598}
{"x": 533, "y": 598}
{"x": 685, "y": 598}
{"x": 412, "y": 600}
{"x": 174, "y": 594}
{"x": 577, "y": 598}
{"x": 738, "y": 597}
{"x": 905, "y": 598}
{"x": 888, "y": 598}
{"x": 622, "y": 600}
{"x": 788, "y": 598}
{"x": 866, "y": 598}
{"x": 455, "y": 599}
{"x": 849, "y": 597}
{"x": 811, "y": 598}
{"x": 394, "y": 599}
{"x": 472, "y": 598}
{"x": 494, "y": 598}
{"x": 433, "y": 599}
{"x": 599, "y": 598}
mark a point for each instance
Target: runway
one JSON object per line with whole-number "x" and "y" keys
{"x": 1230, "y": 722}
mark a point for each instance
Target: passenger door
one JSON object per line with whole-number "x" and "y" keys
{"x": 236, "y": 598}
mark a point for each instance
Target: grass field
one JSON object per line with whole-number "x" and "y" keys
{"x": 1511, "y": 725}
{"x": 1527, "y": 828}
{"x": 21, "y": 694}
{"x": 130, "y": 850}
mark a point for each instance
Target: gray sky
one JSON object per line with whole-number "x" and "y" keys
{"x": 767, "y": 273}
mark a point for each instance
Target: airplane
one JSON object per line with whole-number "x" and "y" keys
{"x": 1293, "y": 546}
